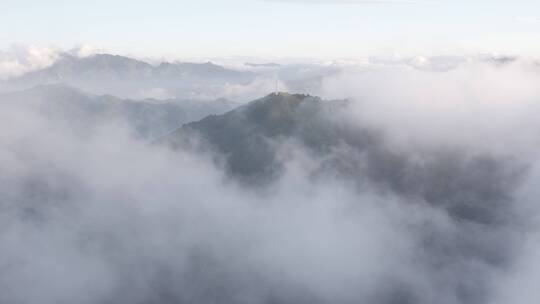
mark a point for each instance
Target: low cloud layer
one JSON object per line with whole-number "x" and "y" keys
{"x": 477, "y": 105}
{"x": 101, "y": 217}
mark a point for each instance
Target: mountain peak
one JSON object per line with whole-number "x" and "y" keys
{"x": 290, "y": 96}
{"x": 275, "y": 114}
{"x": 285, "y": 101}
{"x": 245, "y": 134}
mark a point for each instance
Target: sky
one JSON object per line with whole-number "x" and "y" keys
{"x": 276, "y": 28}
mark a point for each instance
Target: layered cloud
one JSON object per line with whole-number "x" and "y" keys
{"x": 101, "y": 217}
{"x": 105, "y": 218}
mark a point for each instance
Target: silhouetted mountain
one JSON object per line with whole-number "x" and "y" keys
{"x": 131, "y": 78}
{"x": 252, "y": 141}
{"x": 245, "y": 134}
{"x": 149, "y": 118}
{"x": 206, "y": 70}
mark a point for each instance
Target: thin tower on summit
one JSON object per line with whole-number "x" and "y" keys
{"x": 277, "y": 84}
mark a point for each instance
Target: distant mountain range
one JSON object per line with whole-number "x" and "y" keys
{"x": 148, "y": 118}
{"x": 106, "y": 74}
{"x": 131, "y": 78}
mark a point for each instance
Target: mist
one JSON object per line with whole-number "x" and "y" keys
{"x": 440, "y": 206}
{"x": 476, "y": 105}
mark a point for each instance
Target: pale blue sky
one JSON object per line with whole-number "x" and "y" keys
{"x": 297, "y": 28}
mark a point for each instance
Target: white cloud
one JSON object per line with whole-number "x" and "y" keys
{"x": 20, "y": 59}
{"x": 476, "y": 104}
{"x": 86, "y": 50}
{"x": 142, "y": 222}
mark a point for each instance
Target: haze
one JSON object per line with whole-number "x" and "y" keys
{"x": 269, "y": 152}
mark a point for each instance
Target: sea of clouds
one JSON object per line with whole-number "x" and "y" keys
{"x": 101, "y": 217}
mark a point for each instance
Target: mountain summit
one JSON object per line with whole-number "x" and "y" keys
{"x": 252, "y": 141}
{"x": 248, "y": 135}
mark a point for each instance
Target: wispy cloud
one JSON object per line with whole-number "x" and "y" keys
{"x": 20, "y": 59}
